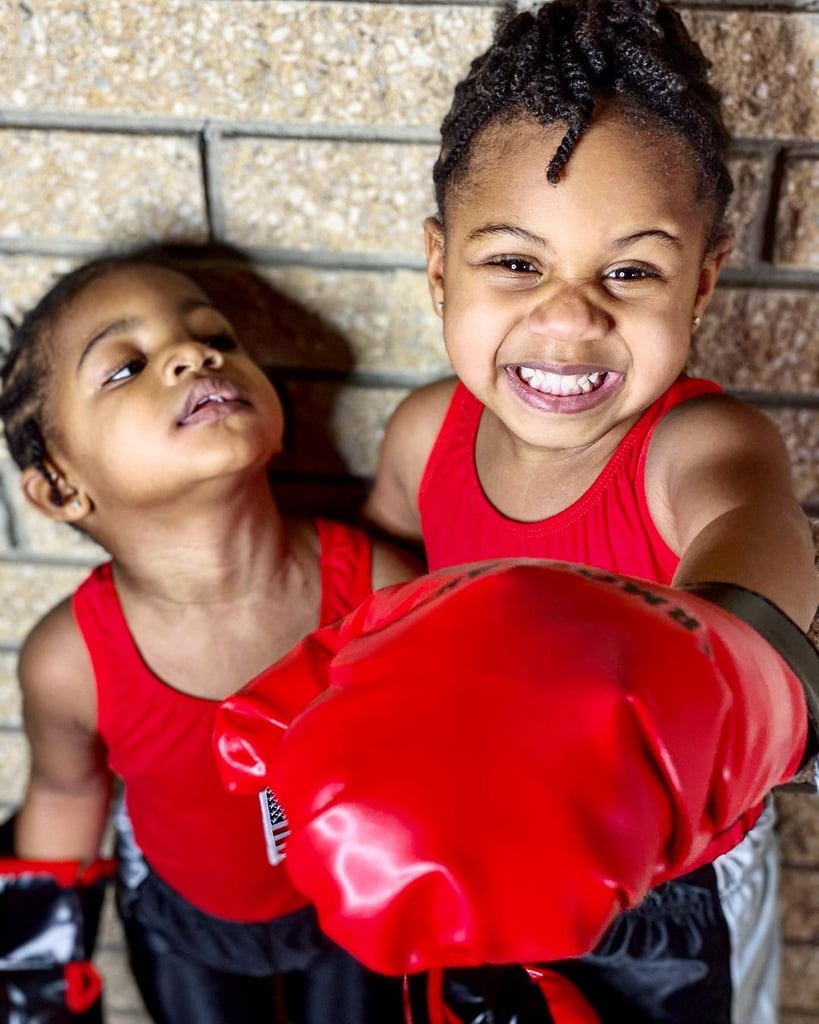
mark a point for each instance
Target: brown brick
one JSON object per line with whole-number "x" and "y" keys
{"x": 800, "y": 429}
{"x": 799, "y": 828}
{"x": 763, "y": 64}
{"x": 99, "y": 187}
{"x": 800, "y": 978}
{"x": 799, "y": 905}
{"x": 746, "y": 207}
{"x": 797, "y": 223}
{"x": 760, "y": 340}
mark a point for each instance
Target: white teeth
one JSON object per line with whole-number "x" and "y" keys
{"x": 561, "y": 383}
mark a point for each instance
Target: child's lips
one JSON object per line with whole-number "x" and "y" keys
{"x": 209, "y": 399}
{"x": 555, "y": 388}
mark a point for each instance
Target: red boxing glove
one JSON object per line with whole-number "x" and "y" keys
{"x": 504, "y": 756}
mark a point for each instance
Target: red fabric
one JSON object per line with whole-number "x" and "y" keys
{"x": 206, "y": 844}
{"x": 609, "y": 526}
{"x": 544, "y": 744}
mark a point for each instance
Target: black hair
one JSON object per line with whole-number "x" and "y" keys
{"x": 557, "y": 63}
{"x": 27, "y": 365}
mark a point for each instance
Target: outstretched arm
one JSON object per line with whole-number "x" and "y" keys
{"x": 66, "y": 802}
{"x": 720, "y": 489}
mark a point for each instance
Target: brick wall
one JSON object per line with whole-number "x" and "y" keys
{"x": 303, "y": 132}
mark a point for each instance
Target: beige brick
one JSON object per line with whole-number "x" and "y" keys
{"x": 379, "y": 321}
{"x": 797, "y": 224}
{"x": 13, "y": 766}
{"x": 760, "y": 340}
{"x": 282, "y": 61}
{"x": 9, "y": 690}
{"x": 29, "y": 591}
{"x": 746, "y": 206}
{"x": 799, "y": 905}
{"x": 337, "y": 428}
{"x": 385, "y": 63}
{"x": 763, "y": 64}
{"x": 800, "y": 978}
{"x": 366, "y": 197}
{"x": 25, "y": 278}
{"x": 799, "y": 828}
{"x": 121, "y": 994}
{"x": 99, "y": 187}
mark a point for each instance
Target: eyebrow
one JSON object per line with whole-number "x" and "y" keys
{"x": 488, "y": 230}
{"x": 131, "y": 323}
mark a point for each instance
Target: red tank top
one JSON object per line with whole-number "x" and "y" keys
{"x": 205, "y": 843}
{"x": 609, "y": 526}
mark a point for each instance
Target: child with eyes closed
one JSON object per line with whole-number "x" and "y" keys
{"x": 581, "y": 189}
{"x": 135, "y": 415}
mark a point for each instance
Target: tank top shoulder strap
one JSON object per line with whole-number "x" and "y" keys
{"x": 101, "y": 622}
{"x": 345, "y": 558}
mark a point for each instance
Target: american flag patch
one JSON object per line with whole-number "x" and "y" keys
{"x": 274, "y": 825}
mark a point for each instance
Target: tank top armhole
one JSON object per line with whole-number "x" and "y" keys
{"x": 461, "y": 404}
{"x": 345, "y": 561}
{"x": 682, "y": 391}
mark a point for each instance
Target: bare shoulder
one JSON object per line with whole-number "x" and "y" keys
{"x": 55, "y": 672}
{"x": 714, "y": 430}
{"x": 413, "y": 427}
{"x": 720, "y": 491}
{"x": 408, "y": 440}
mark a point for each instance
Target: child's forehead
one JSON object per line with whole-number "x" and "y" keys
{"x": 614, "y": 151}
{"x": 127, "y": 292}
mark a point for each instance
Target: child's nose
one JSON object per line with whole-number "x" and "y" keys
{"x": 190, "y": 355}
{"x": 566, "y": 313}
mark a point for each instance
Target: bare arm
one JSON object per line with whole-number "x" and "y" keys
{"x": 719, "y": 484}
{"x": 392, "y": 505}
{"x": 66, "y": 803}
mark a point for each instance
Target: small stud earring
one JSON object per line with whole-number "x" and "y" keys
{"x": 696, "y": 322}
{"x": 76, "y": 505}
{"x": 441, "y": 306}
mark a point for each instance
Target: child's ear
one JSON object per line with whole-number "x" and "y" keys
{"x": 53, "y": 496}
{"x": 434, "y": 245}
{"x": 709, "y": 274}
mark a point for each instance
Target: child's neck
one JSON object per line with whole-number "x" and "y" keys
{"x": 529, "y": 484}
{"x": 220, "y": 548}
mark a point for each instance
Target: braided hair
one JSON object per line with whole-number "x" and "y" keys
{"x": 556, "y": 63}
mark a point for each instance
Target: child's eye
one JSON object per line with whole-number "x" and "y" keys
{"x": 126, "y": 371}
{"x": 633, "y": 273}
{"x": 514, "y": 264}
{"x": 222, "y": 342}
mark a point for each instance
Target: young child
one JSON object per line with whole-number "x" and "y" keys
{"x": 136, "y": 417}
{"x": 581, "y": 189}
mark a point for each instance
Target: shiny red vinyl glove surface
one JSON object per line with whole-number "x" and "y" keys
{"x": 499, "y": 758}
